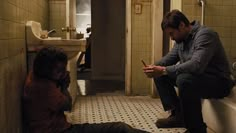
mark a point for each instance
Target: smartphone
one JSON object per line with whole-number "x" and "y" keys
{"x": 144, "y": 63}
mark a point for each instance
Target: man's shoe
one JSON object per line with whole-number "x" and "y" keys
{"x": 170, "y": 122}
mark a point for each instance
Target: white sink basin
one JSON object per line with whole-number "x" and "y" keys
{"x": 53, "y": 38}
{"x": 71, "y": 46}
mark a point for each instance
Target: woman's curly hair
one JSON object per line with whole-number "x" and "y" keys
{"x": 46, "y": 59}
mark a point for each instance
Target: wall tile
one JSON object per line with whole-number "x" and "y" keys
{"x": 226, "y": 32}
{"x": 227, "y": 42}
{"x": 13, "y": 16}
{"x": 187, "y": 2}
{"x": 3, "y": 90}
{"x": 219, "y": 15}
{"x": 57, "y": 17}
{"x": 234, "y": 32}
{"x": 214, "y": 2}
{"x": 4, "y": 32}
{"x": 218, "y": 22}
{"x": 188, "y": 9}
{"x": 3, "y": 49}
{"x": 208, "y": 20}
{"x": 2, "y": 102}
{"x": 227, "y": 2}
{"x": 227, "y": 10}
{"x": 141, "y": 48}
{"x": 213, "y": 10}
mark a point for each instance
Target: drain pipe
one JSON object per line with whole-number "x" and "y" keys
{"x": 202, "y": 4}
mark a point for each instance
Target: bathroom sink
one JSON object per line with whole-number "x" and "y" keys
{"x": 34, "y": 41}
{"x": 36, "y": 38}
{"x": 71, "y": 46}
{"x": 53, "y": 38}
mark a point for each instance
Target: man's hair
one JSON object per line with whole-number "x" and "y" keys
{"x": 46, "y": 60}
{"x": 173, "y": 19}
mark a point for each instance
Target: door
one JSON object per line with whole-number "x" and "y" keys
{"x": 108, "y": 37}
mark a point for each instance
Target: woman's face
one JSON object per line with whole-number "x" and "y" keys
{"x": 59, "y": 71}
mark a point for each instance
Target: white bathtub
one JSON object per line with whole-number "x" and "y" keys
{"x": 220, "y": 115}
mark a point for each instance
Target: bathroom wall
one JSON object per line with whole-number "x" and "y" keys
{"x": 13, "y": 17}
{"x": 141, "y": 45}
{"x": 57, "y": 17}
{"x": 176, "y": 4}
{"x": 219, "y": 15}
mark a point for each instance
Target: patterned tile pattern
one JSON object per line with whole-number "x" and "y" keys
{"x": 138, "y": 111}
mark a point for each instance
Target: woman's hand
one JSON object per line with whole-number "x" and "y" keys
{"x": 64, "y": 82}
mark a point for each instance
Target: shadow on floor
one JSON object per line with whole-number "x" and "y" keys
{"x": 84, "y": 75}
{"x": 99, "y": 87}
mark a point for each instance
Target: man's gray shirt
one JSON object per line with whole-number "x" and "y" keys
{"x": 201, "y": 52}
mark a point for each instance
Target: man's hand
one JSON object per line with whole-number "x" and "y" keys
{"x": 153, "y": 71}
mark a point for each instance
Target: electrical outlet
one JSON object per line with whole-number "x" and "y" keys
{"x": 138, "y": 8}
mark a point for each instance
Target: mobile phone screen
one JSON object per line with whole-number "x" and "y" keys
{"x": 144, "y": 63}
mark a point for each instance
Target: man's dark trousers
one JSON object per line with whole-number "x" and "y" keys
{"x": 191, "y": 88}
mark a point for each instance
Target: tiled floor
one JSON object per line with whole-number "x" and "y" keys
{"x": 138, "y": 111}
{"x": 104, "y": 101}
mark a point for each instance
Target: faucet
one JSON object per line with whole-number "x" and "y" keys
{"x": 68, "y": 29}
{"x": 51, "y": 31}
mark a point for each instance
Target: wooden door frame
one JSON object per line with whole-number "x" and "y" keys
{"x": 157, "y": 41}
